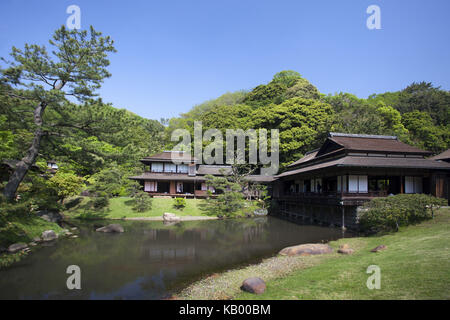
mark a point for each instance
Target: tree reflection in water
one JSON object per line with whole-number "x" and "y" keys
{"x": 151, "y": 259}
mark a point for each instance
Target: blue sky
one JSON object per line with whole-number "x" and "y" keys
{"x": 175, "y": 54}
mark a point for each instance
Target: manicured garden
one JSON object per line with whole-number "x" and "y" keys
{"x": 122, "y": 207}
{"x": 415, "y": 265}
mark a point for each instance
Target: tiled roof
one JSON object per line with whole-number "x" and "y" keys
{"x": 215, "y": 170}
{"x": 372, "y": 162}
{"x": 375, "y": 143}
{"x": 169, "y": 156}
{"x": 310, "y": 155}
{"x": 442, "y": 156}
{"x": 167, "y": 177}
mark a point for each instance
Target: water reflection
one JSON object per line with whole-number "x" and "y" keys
{"x": 151, "y": 259}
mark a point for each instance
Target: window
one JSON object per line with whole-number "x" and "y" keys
{"x": 344, "y": 183}
{"x": 192, "y": 169}
{"x": 170, "y": 167}
{"x": 413, "y": 185}
{"x": 357, "y": 184}
{"x": 157, "y": 167}
{"x": 151, "y": 186}
{"x": 182, "y": 168}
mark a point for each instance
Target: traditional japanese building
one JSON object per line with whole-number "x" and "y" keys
{"x": 178, "y": 174}
{"x": 350, "y": 169}
{"x": 444, "y": 156}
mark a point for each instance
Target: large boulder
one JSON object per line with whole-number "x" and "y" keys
{"x": 306, "y": 249}
{"x": 50, "y": 216}
{"x": 112, "y": 228}
{"x": 171, "y": 217}
{"x": 16, "y": 247}
{"x": 49, "y": 235}
{"x": 254, "y": 285}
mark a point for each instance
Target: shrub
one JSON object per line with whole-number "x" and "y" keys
{"x": 100, "y": 202}
{"x": 390, "y": 213}
{"x": 142, "y": 201}
{"x": 179, "y": 203}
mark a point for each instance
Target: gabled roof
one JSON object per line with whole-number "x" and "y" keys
{"x": 308, "y": 156}
{"x": 374, "y": 143}
{"x": 215, "y": 170}
{"x": 442, "y": 156}
{"x": 168, "y": 156}
{"x": 371, "y": 162}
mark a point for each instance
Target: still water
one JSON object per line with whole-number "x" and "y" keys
{"x": 151, "y": 260}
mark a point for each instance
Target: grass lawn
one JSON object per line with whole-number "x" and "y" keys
{"x": 122, "y": 208}
{"x": 416, "y": 265}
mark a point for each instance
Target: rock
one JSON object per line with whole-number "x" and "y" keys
{"x": 171, "y": 217}
{"x": 306, "y": 249}
{"x": 74, "y": 228}
{"x": 33, "y": 244}
{"x": 379, "y": 248}
{"x": 254, "y": 285}
{"x": 260, "y": 212}
{"x": 69, "y": 233}
{"x": 16, "y": 247}
{"x": 112, "y": 228}
{"x": 74, "y": 237}
{"x": 50, "y": 216}
{"x": 49, "y": 235}
{"x": 37, "y": 239}
{"x": 344, "y": 246}
{"x": 346, "y": 251}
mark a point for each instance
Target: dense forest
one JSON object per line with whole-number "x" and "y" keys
{"x": 98, "y": 146}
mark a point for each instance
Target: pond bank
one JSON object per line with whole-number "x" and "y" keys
{"x": 122, "y": 208}
{"x": 182, "y": 218}
{"x": 415, "y": 265}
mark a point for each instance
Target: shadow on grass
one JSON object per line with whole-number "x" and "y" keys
{"x": 72, "y": 203}
{"x": 130, "y": 202}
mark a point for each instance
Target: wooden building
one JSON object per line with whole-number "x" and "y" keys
{"x": 350, "y": 169}
{"x": 178, "y": 174}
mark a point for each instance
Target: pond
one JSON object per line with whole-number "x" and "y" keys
{"x": 151, "y": 260}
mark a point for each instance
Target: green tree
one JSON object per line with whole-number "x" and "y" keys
{"x": 229, "y": 199}
{"x": 392, "y": 122}
{"x": 76, "y": 67}
{"x": 66, "y": 184}
{"x": 303, "y": 125}
{"x": 142, "y": 201}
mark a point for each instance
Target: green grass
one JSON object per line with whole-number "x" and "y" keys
{"x": 22, "y": 229}
{"x": 416, "y": 265}
{"x": 122, "y": 208}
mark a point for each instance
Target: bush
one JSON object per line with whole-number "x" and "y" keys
{"x": 100, "y": 202}
{"x": 142, "y": 201}
{"x": 390, "y": 213}
{"x": 179, "y": 203}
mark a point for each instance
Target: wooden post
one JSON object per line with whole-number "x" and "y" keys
{"x": 172, "y": 188}
{"x": 402, "y": 187}
{"x": 343, "y": 216}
